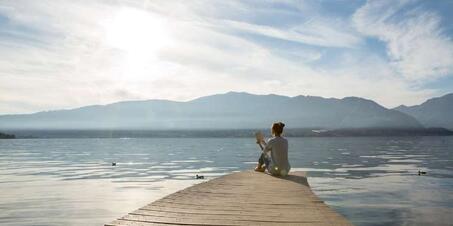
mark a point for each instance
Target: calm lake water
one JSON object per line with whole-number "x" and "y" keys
{"x": 372, "y": 181}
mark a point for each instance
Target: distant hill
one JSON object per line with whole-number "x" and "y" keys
{"x": 7, "y": 136}
{"x": 435, "y": 112}
{"x": 223, "y": 111}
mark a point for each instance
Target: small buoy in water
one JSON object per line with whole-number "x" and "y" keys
{"x": 199, "y": 176}
{"x": 421, "y": 173}
{"x": 113, "y": 163}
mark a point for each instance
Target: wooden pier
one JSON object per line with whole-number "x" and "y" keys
{"x": 244, "y": 198}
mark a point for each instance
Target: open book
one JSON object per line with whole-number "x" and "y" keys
{"x": 259, "y": 137}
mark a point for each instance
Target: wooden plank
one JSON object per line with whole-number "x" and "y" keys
{"x": 308, "y": 215}
{"x": 244, "y": 198}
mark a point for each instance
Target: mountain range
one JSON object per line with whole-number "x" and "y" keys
{"x": 435, "y": 112}
{"x": 239, "y": 110}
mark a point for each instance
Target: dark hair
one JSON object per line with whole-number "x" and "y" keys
{"x": 277, "y": 128}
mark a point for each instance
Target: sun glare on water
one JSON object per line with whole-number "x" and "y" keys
{"x": 139, "y": 35}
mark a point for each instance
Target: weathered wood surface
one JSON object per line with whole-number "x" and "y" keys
{"x": 244, "y": 198}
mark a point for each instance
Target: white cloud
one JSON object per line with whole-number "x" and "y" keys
{"x": 313, "y": 32}
{"x": 60, "y": 55}
{"x": 416, "y": 46}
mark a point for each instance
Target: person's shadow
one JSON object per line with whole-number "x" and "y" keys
{"x": 299, "y": 177}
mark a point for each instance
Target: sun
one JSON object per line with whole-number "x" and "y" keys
{"x": 139, "y": 35}
{"x": 135, "y": 30}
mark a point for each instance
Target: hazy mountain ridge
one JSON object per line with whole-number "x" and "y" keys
{"x": 233, "y": 110}
{"x": 435, "y": 112}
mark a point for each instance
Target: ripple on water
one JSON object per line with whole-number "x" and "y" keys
{"x": 363, "y": 178}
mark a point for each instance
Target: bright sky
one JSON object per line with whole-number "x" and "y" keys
{"x": 68, "y": 53}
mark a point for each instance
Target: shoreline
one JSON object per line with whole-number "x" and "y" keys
{"x": 224, "y": 133}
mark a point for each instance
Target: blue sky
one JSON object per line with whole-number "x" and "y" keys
{"x": 66, "y": 54}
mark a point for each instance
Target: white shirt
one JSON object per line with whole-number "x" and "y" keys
{"x": 278, "y": 148}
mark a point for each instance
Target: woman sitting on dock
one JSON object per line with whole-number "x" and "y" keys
{"x": 275, "y": 153}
